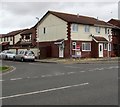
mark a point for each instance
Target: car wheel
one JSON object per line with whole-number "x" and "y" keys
{"x": 6, "y": 57}
{"x": 22, "y": 59}
{"x": 14, "y": 59}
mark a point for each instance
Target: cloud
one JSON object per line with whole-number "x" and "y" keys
{"x": 18, "y": 15}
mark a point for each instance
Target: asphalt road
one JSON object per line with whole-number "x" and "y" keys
{"x": 60, "y": 84}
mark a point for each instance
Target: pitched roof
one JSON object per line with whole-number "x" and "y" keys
{"x": 99, "y": 39}
{"x": 71, "y": 18}
{"x": 27, "y": 31}
{"x": 115, "y": 22}
{"x": 13, "y": 33}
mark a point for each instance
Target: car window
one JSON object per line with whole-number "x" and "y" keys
{"x": 10, "y": 52}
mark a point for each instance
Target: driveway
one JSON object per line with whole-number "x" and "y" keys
{"x": 60, "y": 84}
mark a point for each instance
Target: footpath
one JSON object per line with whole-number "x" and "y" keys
{"x": 80, "y": 60}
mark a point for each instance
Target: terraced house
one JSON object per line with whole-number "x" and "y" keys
{"x": 115, "y": 36}
{"x": 10, "y": 39}
{"x": 66, "y": 35}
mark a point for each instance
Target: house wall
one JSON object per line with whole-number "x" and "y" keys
{"x": 17, "y": 38}
{"x": 55, "y": 29}
{"x": 85, "y": 36}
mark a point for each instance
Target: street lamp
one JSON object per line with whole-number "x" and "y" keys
{"x": 37, "y": 38}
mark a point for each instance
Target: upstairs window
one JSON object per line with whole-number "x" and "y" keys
{"x": 107, "y": 31}
{"x": 1, "y": 39}
{"x": 10, "y": 38}
{"x": 87, "y": 28}
{"x": 44, "y": 30}
{"x": 97, "y": 29}
{"x": 74, "y": 27}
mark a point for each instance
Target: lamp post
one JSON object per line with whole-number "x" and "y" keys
{"x": 37, "y": 38}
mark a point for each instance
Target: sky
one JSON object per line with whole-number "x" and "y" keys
{"x": 15, "y": 14}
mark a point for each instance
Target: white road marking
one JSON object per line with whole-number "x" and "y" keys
{"x": 14, "y": 79}
{"x": 71, "y": 67}
{"x": 1, "y": 80}
{"x": 70, "y": 72}
{"x": 43, "y": 91}
{"x": 48, "y": 75}
{"x": 82, "y": 71}
{"x": 57, "y": 74}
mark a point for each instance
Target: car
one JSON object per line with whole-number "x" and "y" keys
{"x": 7, "y": 54}
{"x": 25, "y": 55}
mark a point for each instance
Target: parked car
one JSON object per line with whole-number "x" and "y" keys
{"x": 25, "y": 55}
{"x": 7, "y": 54}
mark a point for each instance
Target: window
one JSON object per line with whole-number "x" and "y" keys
{"x": 4, "y": 39}
{"x": 105, "y": 46}
{"x": 97, "y": 29}
{"x": 7, "y": 39}
{"x": 73, "y": 45}
{"x": 27, "y": 37}
{"x": 1, "y": 39}
{"x": 86, "y": 46}
{"x": 107, "y": 31}
{"x": 44, "y": 30}
{"x": 74, "y": 27}
{"x": 109, "y": 47}
{"x": 10, "y": 38}
{"x": 87, "y": 28}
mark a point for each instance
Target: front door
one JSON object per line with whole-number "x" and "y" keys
{"x": 61, "y": 51}
{"x": 100, "y": 49}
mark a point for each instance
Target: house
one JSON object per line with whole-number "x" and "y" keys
{"x": 115, "y": 36}
{"x": 10, "y": 39}
{"x": 28, "y": 38}
{"x": 64, "y": 35}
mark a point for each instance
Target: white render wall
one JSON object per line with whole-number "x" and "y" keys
{"x": 55, "y": 29}
{"x": 17, "y": 38}
{"x": 85, "y": 36}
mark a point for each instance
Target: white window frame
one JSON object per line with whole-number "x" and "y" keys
{"x": 74, "y": 28}
{"x": 87, "y": 28}
{"x": 109, "y": 47}
{"x": 105, "y": 47}
{"x": 98, "y": 29}
{"x": 83, "y": 46}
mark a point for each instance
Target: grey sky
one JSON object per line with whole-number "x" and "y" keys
{"x": 19, "y": 15}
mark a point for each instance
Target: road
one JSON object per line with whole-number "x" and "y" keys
{"x": 60, "y": 84}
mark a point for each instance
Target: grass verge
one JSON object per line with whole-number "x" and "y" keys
{"x": 4, "y": 69}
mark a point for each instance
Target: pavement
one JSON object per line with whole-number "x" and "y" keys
{"x": 79, "y": 60}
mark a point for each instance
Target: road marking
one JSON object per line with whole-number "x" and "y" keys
{"x": 70, "y": 72}
{"x": 71, "y": 67}
{"x": 57, "y": 74}
{"x": 82, "y": 71}
{"x": 14, "y": 79}
{"x": 1, "y": 80}
{"x": 43, "y": 91}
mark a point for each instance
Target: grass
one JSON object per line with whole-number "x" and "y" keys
{"x": 4, "y": 68}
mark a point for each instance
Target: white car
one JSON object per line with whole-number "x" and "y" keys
{"x": 7, "y": 54}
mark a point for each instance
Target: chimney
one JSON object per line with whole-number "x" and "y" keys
{"x": 78, "y": 15}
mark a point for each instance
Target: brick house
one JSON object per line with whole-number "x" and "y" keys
{"x": 28, "y": 38}
{"x": 9, "y": 40}
{"x": 115, "y": 36}
{"x": 65, "y": 35}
